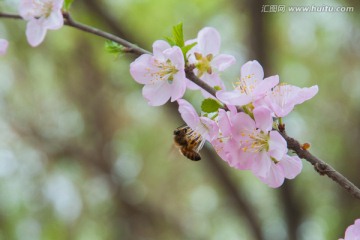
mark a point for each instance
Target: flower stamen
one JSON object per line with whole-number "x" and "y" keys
{"x": 166, "y": 71}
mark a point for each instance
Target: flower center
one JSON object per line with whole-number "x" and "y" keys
{"x": 246, "y": 85}
{"x": 165, "y": 71}
{"x": 203, "y": 63}
{"x": 44, "y": 8}
{"x": 254, "y": 141}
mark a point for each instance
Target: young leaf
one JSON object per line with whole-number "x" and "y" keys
{"x": 177, "y": 38}
{"x": 178, "y": 35}
{"x": 67, "y": 5}
{"x": 210, "y": 105}
{"x": 170, "y": 41}
{"x": 113, "y": 47}
{"x": 186, "y": 48}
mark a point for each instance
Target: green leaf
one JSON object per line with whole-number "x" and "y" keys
{"x": 170, "y": 41}
{"x": 178, "y": 35}
{"x": 210, "y": 105}
{"x": 186, "y": 48}
{"x": 177, "y": 38}
{"x": 67, "y": 5}
{"x": 113, "y": 47}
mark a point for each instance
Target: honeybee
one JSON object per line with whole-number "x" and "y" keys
{"x": 189, "y": 142}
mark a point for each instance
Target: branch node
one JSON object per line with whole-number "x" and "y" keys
{"x": 190, "y": 67}
{"x": 322, "y": 168}
{"x": 127, "y": 49}
{"x": 282, "y": 127}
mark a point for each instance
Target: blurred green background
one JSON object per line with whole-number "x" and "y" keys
{"x": 82, "y": 155}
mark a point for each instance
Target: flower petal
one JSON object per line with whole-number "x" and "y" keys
{"x": 218, "y": 144}
{"x": 26, "y": 9}
{"x": 280, "y": 111}
{"x": 263, "y": 118}
{"x": 241, "y": 123}
{"x": 223, "y": 61}
{"x": 261, "y": 164}
{"x": 54, "y": 21}
{"x": 307, "y": 93}
{"x": 277, "y": 145}
{"x": 353, "y": 231}
{"x": 178, "y": 86}
{"x": 283, "y": 98}
{"x": 275, "y": 177}
{"x": 254, "y": 69}
{"x": 211, "y": 128}
{"x": 57, "y": 4}
{"x": 156, "y": 94}
{"x": 212, "y": 80}
{"x": 224, "y": 123}
{"x": 240, "y": 159}
{"x": 191, "y": 85}
{"x": 159, "y": 47}
{"x": 35, "y": 32}
{"x": 188, "y": 113}
{"x": 265, "y": 86}
{"x": 291, "y": 166}
{"x": 209, "y": 41}
{"x": 233, "y": 97}
{"x": 176, "y": 57}
{"x": 140, "y": 69}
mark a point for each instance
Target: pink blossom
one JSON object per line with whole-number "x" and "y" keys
{"x": 162, "y": 73}
{"x": 202, "y": 126}
{"x": 282, "y": 99}
{"x": 244, "y": 141}
{"x": 206, "y": 58}
{"x": 226, "y": 142}
{"x": 3, "y": 46}
{"x": 249, "y": 144}
{"x": 42, "y": 15}
{"x": 353, "y": 231}
{"x": 251, "y": 86}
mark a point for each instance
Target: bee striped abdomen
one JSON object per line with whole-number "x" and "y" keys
{"x": 190, "y": 154}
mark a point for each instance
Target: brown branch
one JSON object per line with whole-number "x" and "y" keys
{"x": 11, "y": 16}
{"x": 131, "y": 48}
{"x": 191, "y": 76}
{"x": 320, "y": 166}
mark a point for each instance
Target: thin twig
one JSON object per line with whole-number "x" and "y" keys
{"x": 321, "y": 167}
{"x": 130, "y": 47}
{"x": 191, "y": 76}
{"x": 9, "y": 15}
